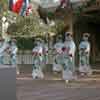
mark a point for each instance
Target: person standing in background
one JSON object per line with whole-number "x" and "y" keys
{"x": 84, "y": 54}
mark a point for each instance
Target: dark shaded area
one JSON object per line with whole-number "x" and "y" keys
{"x": 90, "y": 24}
{"x": 25, "y": 43}
{"x": 96, "y": 33}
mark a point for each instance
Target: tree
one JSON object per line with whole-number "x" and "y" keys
{"x": 3, "y": 5}
{"x": 33, "y": 26}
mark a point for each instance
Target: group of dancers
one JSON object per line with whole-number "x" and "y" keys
{"x": 63, "y": 57}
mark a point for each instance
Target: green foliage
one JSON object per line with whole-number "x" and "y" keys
{"x": 30, "y": 26}
{"x": 25, "y": 43}
{"x": 83, "y": 7}
{"x": 3, "y": 4}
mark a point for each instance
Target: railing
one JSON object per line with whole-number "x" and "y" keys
{"x": 21, "y": 59}
{"x": 24, "y": 59}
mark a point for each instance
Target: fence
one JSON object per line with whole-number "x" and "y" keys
{"x": 21, "y": 59}
{"x": 25, "y": 58}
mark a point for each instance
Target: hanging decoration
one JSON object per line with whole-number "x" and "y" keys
{"x": 20, "y": 7}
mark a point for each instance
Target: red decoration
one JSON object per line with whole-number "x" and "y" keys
{"x": 17, "y": 6}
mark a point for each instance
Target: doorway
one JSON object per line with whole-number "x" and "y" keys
{"x": 86, "y": 25}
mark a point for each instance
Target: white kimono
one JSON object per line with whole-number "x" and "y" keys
{"x": 13, "y": 54}
{"x": 84, "y": 53}
{"x": 37, "y": 62}
{"x": 3, "y": 48}
{"x": 57, "y": 64}
{"x": 69, "y": 60}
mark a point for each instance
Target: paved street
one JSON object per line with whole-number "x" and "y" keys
{"x": 51, "y": 89}
{"x": 82, "y": 89}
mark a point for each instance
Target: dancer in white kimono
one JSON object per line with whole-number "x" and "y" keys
{"x": 84, "y": 53}
{"x": 37, "y": 60}
{"x": 57, "y": 64}
{"x": 13, "y": 54}
{"x": 14, "y": 51}
{"x": 3, "y": 48}
{"x": 68, "y": 58}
